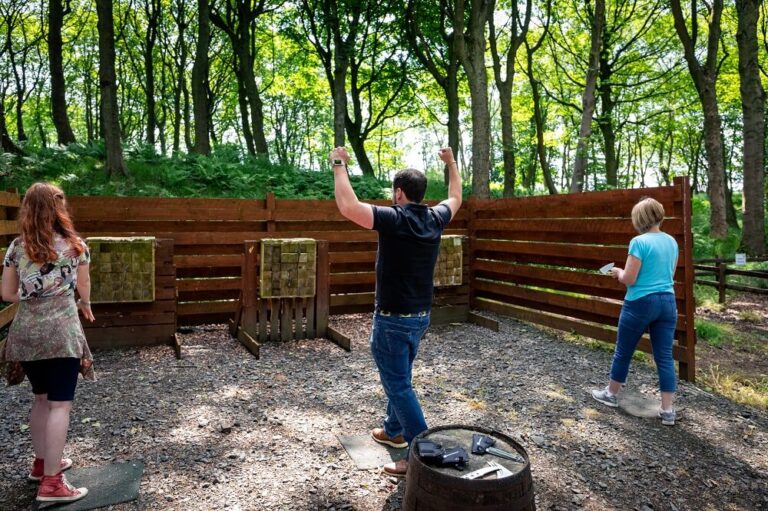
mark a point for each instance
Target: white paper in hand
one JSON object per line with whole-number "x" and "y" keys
{"x": 606, "y": 269}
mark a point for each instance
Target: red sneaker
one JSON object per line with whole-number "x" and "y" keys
{"x": 39, "y": 465}
{"x": 57, "y": 489}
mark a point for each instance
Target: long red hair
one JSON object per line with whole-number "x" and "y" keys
{"x": 44, "y": 213}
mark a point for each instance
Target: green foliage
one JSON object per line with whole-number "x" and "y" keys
{"x": 226, "y": 173}
{"x": 703, "y": 245}
{"x": 714, "y": 334}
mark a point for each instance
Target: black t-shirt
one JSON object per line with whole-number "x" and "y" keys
{"x": 409, "y": 242}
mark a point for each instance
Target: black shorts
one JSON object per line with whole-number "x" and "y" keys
{"x": 56, "y": 377}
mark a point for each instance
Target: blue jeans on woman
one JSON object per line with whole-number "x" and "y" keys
{"x": 656, "y": 313}
{"x": 394, "y": 345}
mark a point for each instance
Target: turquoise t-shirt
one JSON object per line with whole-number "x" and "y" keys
{"x": 658, "y": 253}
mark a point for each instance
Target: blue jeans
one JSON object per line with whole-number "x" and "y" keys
{"x": 656, "y": 313}
{"x": 394, "y": 344}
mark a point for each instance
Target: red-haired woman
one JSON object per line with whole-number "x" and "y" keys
{"x": 41, "y": 270}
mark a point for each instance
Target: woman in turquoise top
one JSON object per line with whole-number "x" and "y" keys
{"x": 649, "y": 305}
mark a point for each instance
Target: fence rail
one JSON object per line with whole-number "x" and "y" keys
{"x": 721, "y": 271}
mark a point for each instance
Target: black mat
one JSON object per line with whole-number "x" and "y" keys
{"x": 107, "y": 485}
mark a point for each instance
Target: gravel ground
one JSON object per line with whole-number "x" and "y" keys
{"x": 221, "y": 430}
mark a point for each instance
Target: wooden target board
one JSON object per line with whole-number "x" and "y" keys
{"x": 122, "y": 269}
{"x": 448, "y": 269}
{"x": 288, "y": 268}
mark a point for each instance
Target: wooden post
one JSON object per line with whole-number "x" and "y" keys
{"x": 271, "y": 212}
{"x": 322, "y": 288}
{"x": 249, "y": 318}
{"x": 721, "y": 278}
{"x": 472, "y": 237}
{"x": 687, "y": 368}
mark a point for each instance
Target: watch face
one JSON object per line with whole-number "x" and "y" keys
{"x": 338, "y": 162}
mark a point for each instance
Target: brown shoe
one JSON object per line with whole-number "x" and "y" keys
{"x": 381, "y": 436}
{"x": 396, "y": 468}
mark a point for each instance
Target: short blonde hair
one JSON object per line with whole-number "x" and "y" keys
{"x": 646, "y": 214}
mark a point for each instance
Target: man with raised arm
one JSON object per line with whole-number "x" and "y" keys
{"x": 409, "y": 242}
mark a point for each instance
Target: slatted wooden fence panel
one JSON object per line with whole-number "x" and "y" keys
{"x": 536, "y": 259}
{"x": 208, "y": 237}
{"x": 9, "y": 229}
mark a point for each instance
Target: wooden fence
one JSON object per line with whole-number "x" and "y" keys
{"x": 532, "y": 258}
{"x": 718, "y": 268}
{"x": 208, "y": 237}
{"x": 536, "y": 259}
{"x": 9, "y": 229}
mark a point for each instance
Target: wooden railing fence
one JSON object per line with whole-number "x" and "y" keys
{"x": 719, "y": 269}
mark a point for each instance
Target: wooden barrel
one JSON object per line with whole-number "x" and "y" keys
{"x": 430, "y": 488}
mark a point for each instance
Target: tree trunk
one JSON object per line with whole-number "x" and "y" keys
{"x": 152, "y": 10}
{"x": 56, "y": 13}
{"x": 107, "y": 81}
{"x": 605, "y": 122}
{"x": 753, "y": 110}
{"x": 358, "y": 146}
{"x": 704, "y": 78}
{"x": 473, "y": 59}
{"x": 6, "y": 144}
{"x": 200, "y": 71}
{"x": 538, "y": 117}
{"x": 339, "y": 92}
{"x": 588, "y": 99}
{"x": 243, "y": 102}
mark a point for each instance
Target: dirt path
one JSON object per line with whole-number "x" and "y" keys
{"x": 221, "y": 430}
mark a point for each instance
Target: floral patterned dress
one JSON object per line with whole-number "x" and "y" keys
{"x": 47, "y": 324}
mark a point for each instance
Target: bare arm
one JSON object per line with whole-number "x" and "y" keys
{"x": 84, "y": 290}
{"x": 454, "y": 180}
{"x": 346, "y": 199}
{"x": 10, "y": 285}
{"x": 628, "y": 275}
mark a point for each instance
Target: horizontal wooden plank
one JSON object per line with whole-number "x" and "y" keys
{"x": 208, "y": 261}
{"x": 614, "y": 203}
{"x": 168, "y": 202}
{"x": 352, "y": 299}
{"x": 9, "y": 227}
{"x": 353, "y": 278}
{"x": 595, "y": 309}
{"x": 352, "y": 257}
{"x": 156, "y": 307}
{"x": 235, "y": 238}
{"x": 208, "y": 272}
{"x": 569, "y": 325}
{"x": 564, "y": 251}
{"x": 591, "y": 283}
{"x": 671, "y": 226}
{"x": 209, "y": 284}
{"x": 129, "y": 336}
{"x": 757, "y": 274}
{"x": 209, "y": 295}
{"x": 7, "y": 314}
{"x": 449, "y": 314}
{"x": 10, "y": 199}
{"x": 748, "y": 289}
{"x": 191, "y": 308}
{"x": 118, "y": 319}
{"x": 150, "y": 226}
